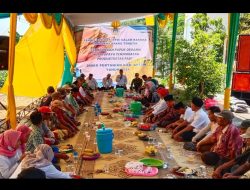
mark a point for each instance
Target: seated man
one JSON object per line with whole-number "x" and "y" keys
{"x": 92, "y": 84}
{"x": 136, "y": 83}
{"x": 107, "y": 82}
{"x": 226, "y": 139}
{"x": 211, "y": 127}
{"x": 48, "y": 135}
{"x": 198, "y": 122}
{"x": 233, "y": 164}
{"x": 168, "y": 116}
{"x": 47, "y": 99}
{"x": 158, "y": 107}
{"x": 185, "y": 113}
{"x": 204, "y": 133}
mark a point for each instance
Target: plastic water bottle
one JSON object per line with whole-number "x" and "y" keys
{"x": 75, "y": 156}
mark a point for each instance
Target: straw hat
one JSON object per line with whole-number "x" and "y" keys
{"x": 67, "y": 87}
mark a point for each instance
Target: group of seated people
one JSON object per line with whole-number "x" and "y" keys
{"x": 210, "y": 132}
{"x": 28, "y": 148}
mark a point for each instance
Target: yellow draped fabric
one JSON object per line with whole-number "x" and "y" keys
{"x": 47, "y": 20}
{"x": 69, "y": 43}
{"x": 150, "y": 20}
{"x": 57, "y": 27}
{"x": 31, "y": 17}
{"x": 11, "y": 112}
{"x": 39, "y": 61}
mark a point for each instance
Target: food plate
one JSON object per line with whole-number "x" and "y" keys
{"x": 144, "y": 138}
{"x": 104, "y": 113}
{"x": 94, "y": 157}
{"x": 182, "y": 171}
{"x": 152, "y": 162}
{"x": 66, "y": 150}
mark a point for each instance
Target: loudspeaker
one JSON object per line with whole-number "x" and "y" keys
{"x": 243, "y": 57}
{"x": 4, "y": 52}
{"x": 241, "y": 82}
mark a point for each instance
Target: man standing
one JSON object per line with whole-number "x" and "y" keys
{"x": 107, "y": 82}
{"x": 92, "y": 84}
{"x": 121, "y": 80}
{"x": 136, "y": 83}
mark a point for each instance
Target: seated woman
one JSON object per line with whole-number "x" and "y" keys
{"x": 150, "y": 95}
{"x": 158, "y": 107}
{"x": 42, "y": 159}
{"x": 58, "y": 134}
{"x": 57, "y": 107}
{"x": 25, "y": 133}
{"x": 10, "y": 152}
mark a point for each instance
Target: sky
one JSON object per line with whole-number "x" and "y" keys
{"x": 22, "y": 26}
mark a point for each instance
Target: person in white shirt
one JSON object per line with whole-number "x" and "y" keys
{"x": 92, "y": 84}
{"x": 199, "y": 121}
{"x": 121, "y": 80}
{"x": 186, "y": 114}
{"x": 10, "y": 152}
{"x": 42, "y": 159}
{"x": 107, "y": 82}
{"x": 159, "y": 107}
{"x": 210, "y": 128}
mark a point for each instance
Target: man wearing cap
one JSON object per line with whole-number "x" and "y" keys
{"x": 169, "y": 115}
{"x": 158, "y": 107}
{"x": 198, "y": 121}
{"x": 226, "y": 139}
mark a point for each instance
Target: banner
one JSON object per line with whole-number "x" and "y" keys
{"x": 104, "y": 50}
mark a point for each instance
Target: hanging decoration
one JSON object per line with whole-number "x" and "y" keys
{"x": 57, "y": 22}
{"x": 116, "y": 24}
{"x": 47, "y": 19}
{"x": 162, "y": 20}
{"x": 31, "y": 17}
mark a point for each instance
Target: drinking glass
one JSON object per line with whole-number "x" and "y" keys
{"x": 120, "y": 153}
{"x": 150, "y": 140}
{"x": 106, "y": 168}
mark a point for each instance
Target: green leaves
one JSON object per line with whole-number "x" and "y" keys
{"x": 199, "y": 66}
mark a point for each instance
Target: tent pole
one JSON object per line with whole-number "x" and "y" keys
{"x": 11, "y": 111}
{"x": 233, "y": 33}
{"x": 172, "y": 51}
{"x": 155, "y": 43}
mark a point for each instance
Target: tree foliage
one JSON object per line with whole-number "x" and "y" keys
{"x": 244, "y": 23}
{"x": 199, "y": 63}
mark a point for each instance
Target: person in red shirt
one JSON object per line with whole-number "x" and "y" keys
{"x": 226, "y": 139}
